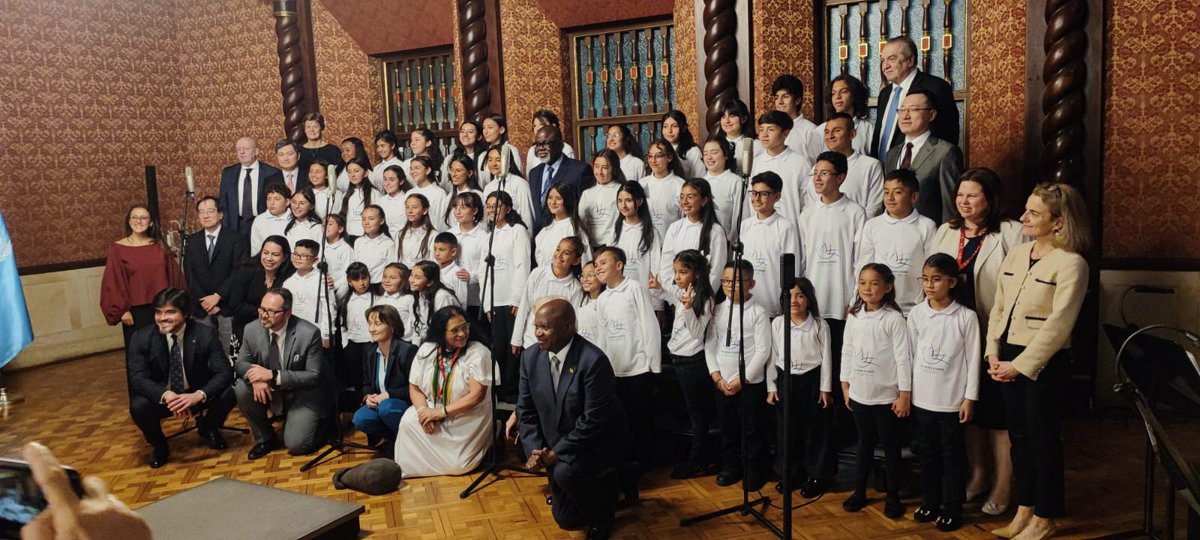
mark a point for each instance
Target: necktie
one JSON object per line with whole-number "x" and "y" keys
{"x": 906, "y": 162}
{"x": 889, "y": 122}
{"x": 175, "y": 371}
{"x": 273, "y": 353}
{"x": 555, "y": 370}
{"x": 247, "y": 203}
{"x": 291, "y": 184}
{"x": 212, "y": 241}
{"x": 547, "y": 180}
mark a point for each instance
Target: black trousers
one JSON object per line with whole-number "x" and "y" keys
{"x": 842, "y": 430}
{"x": 510, "y": 366}
{"x": 349, "y": 368}
{"x": 941, "y": 449}
{"x": 143, "y": 316}
{"x": 736, "y": 417}
{"x": 696, "y": 385}
{"x": 584, "y": 493}
{"x": 1034, "y": 419}
{"x": 810, "y": 448}
{"x": 637, "y": 396}
{"x": 877, "y": 424}
{"x": 147, "y": 414}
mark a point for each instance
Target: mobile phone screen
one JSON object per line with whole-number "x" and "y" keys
{"x": 20, "y": 497}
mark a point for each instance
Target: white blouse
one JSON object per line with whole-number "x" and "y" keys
{"x": 629, "y": 332}
{"x": 598, "y": 210}
{"x": 876, "y": 356}
{"x": 811, "y": 349}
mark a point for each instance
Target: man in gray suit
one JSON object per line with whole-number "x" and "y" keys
{"x": 279, "y": 370}
{"x": 936, "y": 162}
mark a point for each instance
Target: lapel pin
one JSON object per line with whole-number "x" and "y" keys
{"x": 571, "y": 370}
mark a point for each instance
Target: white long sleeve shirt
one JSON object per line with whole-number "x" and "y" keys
{"x": 765, "y": 240}
{"x": 876, "y": 356}
{"x": 587, "y": 321}
{"x": 864, "y": 183}
{"x": 326, "y": 198}
{"x": 393, "y": 210}
{"x": 422, "y": 312}
{"x": 828, "y": 235}
{"x": 722, "y": 357}
{"x": 638, "y": 265}
{"x": 518, "y": 189}
{"x": 309, "y": 303}
{"x": 547, "y": 239}
{"x": 811, "y": 349}
{"x": 541, "y": 283}
{"x": 692, "y": 162}
{"x": 727, "y": 189}
{"x": 683, "y": 235}
{"x": 437, "y": 203}
{"x": 414, "y": 245}
{"x": 265, "y": 226}
{"x": 472, "y": 249}
{"x": 687, "y": 330}
{"x": 511, "y": 250}
{"x": 598, "y": 210}
{"x": 629, "y": 332}
{"x": 864, "y": 129}
{"x": 354, "y": 210}
{"x": 339, "y": 255}
{"x": 662, "y": 196}
{"x": 355, "y": 325}
{"x": 798, "y": 138}
{"x": 403, "y": 302}
{"x": 376, "y": 253}
{"x": 901, "y": 244}
{"x": 305, "y": 230}
{"x": 794, "y": 169}
{"x": 485, "y": 176}
{"x": 451, "y": 281}
{"x": 376, "y": 172}
{"x": 633, "y": 167}
{"x": 946, "y": 356}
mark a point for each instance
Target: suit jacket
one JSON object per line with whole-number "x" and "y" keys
{"x": 583, "y": 418}
{"x": 302, "y": 374}
{"x": 945, "y": 125}
{"x": 204, "y": 277}
{"x": 938, "y": 165}
{"x": 301, "y": 179}
{"x": 575, "y": 173}
{"x": 205, "y": 366}
{"x": 987, "y": 262}
{"x": 229, "y": 194}
{"x": 395, "y": 381}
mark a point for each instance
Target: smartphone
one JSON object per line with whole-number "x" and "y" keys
{"x": 20, "y": 497}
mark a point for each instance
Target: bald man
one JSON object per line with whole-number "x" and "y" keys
{"x": 570, "y": 420}
{"x": 554, "y": 167}
{"x": 243, "y": 193}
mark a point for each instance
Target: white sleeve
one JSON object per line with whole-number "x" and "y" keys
{"x": 696, "y": 326}
{"x": 256, "y": 236}
{"x": 711, "y": 345}
{"x": 902, "y": 352}
{"x": 777, "y": 330}
{"x": 762, "y": 347}
{"x": 826, "y": 355}
{"x": 717, "y": 255}
{"x": 649, "y": 334}
{"x": 972, "y": 350}
{"x": 526, "y": 304}
{"x": 521, "y": 268}
{"x": 874, "y": 186}
{"x": 847, "y": 349}
{"x": 666, "y": 257}
{"x": 864, "y": 251}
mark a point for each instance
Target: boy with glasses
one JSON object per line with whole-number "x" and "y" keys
{"x": 766, "y": 235}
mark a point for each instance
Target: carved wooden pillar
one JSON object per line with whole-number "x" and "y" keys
{"x": 476, "y": 79}
{"x": 720, "y": 57}
{"x": 1064, "y": 103}
{"x": 297, "y": 67}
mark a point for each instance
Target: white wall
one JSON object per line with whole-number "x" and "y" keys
{"x": 65, "y": 310}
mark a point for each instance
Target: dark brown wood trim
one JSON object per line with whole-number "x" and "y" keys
{"x": 820, "y": 70}
{"x": 495, "y": 50}
{"x": 308, "y": 56}
{"x": 59, "y": 267}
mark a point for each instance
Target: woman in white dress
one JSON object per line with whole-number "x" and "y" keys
{"x": 445, "y": 431}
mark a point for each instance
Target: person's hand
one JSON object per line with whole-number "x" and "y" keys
{"x": 535, "y": 459}
{"x": 516, "y": 350}
{"x": 510, "y": 429}
{"x": 514, "y": 310}
{"x": 262, "y": 392}
{"x": 329, "y": 281}
{"x": 902, "y": 404}
{"x": 734, "y": 387}
{"x": 549, "y": 458}
{"x": 489, "y": 316}
{"x": 99, "y": 516}
{"x": 846, "y": 395}
{"x": 463, "y": 275}
{"x": 325, "y": 343}
{"x": 825, "y": 399}
{"x": 993, "y": 361}
{"x": 209, "y": 302}
{"x": 1003, "y": 372}
{"x": 966, "y": 411}
{"x": 181, "y": 404}
{"x": 686, "y": 299}
{"x": 213, "y": 310}
{"x": 430, "y": 415}
{"x": 127, "y": 318}
{"x": 653, "y": 283}
{"x": 772, "y": 398}
{"x": 371, "y": 400}
{"x": 257, "y": 373}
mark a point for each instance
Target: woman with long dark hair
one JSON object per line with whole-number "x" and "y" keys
{"x": 136, "y": 267}
{"x": 675, "y": 131}
{"x": 598, "y": 205}
{"x": 242, "y": 292}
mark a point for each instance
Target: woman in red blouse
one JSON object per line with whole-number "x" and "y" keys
{"x": 137, "y": 267}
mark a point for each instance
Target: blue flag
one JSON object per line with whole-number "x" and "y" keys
{"x": 15, "y": 330}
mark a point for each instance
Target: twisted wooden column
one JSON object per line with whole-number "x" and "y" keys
{"x": 1064, "y": 103}
{"x": 291, "y": 72}
{"x": 476, "y": 80}
{"x": 720, "y": 57}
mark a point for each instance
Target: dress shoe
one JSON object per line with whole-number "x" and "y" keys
{"x": 855, "y": 503}
{"x": 159, "y": 456}
{"x": 599, "y": 532}
{"x": 925, "y": 515}
{"x": 215, "y": 440}
{"x": 992, "y": 509}
{"x": 949, "y": 523}
{"x": 814, "y": 487}
{"x": 729, "y": 476}
{"x": 262, "y": 449}
{"x": 893, "y": 509}
{"x": 1005, "y": 532}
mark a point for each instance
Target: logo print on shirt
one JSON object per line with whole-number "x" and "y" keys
{"x": 935, "y": 357}
{"x": 900, "y": 261}
{"x": 827, "y": 252}
{"x": 865, "y": 361}
{"x": 616, "y": 328}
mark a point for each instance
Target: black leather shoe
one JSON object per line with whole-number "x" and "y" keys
{"x": 855, "y": 503}
{"x": 159, "y": 456}
{"x": 215, "y": 440}
{"x": 893, "y": 509}
{"x": 814, "y": 487}
{"x": 949, "y": 523}
{"x": 729, "y": 476}
{"x": 262, "y": 449}
{"x": 925, "y": 515}
{"x": 599, "y": 532}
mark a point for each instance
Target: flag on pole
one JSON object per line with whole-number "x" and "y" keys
{"x": 15, "y": 330}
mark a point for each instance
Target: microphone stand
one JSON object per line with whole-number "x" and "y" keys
{"x": 746, "y": 507}
{"x": 494, "y": 465}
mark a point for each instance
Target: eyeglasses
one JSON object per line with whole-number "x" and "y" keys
{"x": 755, "y": 194}
{"x": 824, "y": 174}
{"x": 271, "y": 312}
{"x": 913, "y": 110}
{"x": 935, "y": 280}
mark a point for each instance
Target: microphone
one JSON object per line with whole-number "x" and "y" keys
{"x": 747, "y": 156}
{"x": 191, "y": 180}
{"x": 331, "y": 176}
{"x": 504, "y": 162}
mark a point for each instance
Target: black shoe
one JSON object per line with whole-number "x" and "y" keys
{"x": 262, "y": 449}
{"x": 814, "y": 487}
{"x": 855, "y": 503}
{"x": 214, "y": 440}
{"x": 683, "y": 471}
{"x": 729, "y": 476}
{"x": 893, "y": 509}
{"x": 949, "y": 523}
{"x": 925, "y": 515}
{"x": 159, "y": 456}
{"x": 599, "y": 532}
{"x": 779, "y": 487}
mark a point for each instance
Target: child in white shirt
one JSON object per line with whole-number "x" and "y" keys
{"x": 766, "y": 236}
{"x": 375, "y": 247}
{"x": 559, "y": 279}
{"x": 900, "y": 238}
{"x": 598, "y": 205}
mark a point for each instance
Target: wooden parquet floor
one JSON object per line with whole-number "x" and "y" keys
{"x": 80, "y": 410}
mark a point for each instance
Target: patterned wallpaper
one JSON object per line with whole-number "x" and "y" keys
{"x": 783, "y": 44}
{"x": 687, "y": 97}
{"x": 1152, "y": 118}
{"x": 535, "y": 74}
{"x": 996, "y": 105}
{"x": 382, "y": 27}
{"x": 349, "y": 81}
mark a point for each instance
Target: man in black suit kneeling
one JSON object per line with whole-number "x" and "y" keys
{"x": 571, "y": 422}
{"x": 178, "y": 369}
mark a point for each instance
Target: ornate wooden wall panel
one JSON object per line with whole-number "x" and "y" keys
{"x": 783, "y": 44}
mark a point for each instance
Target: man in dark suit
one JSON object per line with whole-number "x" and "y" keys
{"x": 178, "y": 369}
{"x": 900, "y": 70}
{"x": 555, "y": 167}
{"x": 570, "y": 420}
{"x": 936, "y": 162}
{"x": 280, "y": 369}
{"x": 244, "y": 187}
{"x": 287, "y": 155}
{"x": 212, "y": 254}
